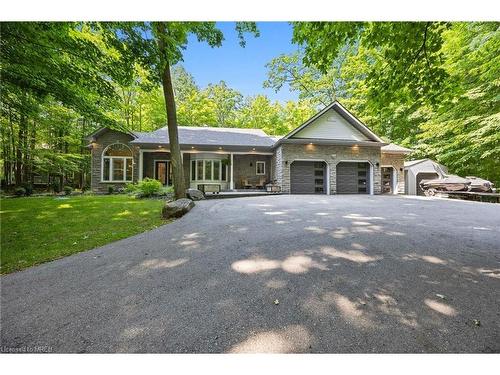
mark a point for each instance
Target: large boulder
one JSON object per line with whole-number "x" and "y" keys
{"x": 177, "y": 208}
{"x": 195, "y": 194}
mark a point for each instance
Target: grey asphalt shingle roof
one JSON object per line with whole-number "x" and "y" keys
{"x": 190, "y": 135}
{"x": 391, "y": 147}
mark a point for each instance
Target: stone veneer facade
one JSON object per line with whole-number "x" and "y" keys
{"x": 285, "y": 154}
{"x": 104, "y": 140}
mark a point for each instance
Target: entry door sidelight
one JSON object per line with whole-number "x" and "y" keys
{"x": 163, "y": 172}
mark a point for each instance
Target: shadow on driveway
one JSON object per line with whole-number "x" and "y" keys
{"x": 275, "y": 274}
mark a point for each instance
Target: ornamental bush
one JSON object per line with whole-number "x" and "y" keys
{"x": 130, "y": 188}
{"x": 20, "y": 191}
{"x": 148, "y": 188}
{"x": 67, "y": 190}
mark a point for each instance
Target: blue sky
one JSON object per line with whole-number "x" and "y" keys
{"x": 242, "y": 68}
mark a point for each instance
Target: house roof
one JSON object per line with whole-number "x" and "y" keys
{"x": 100, "y": 131}
{"x": 411, "y": 163}
{"x": 241, "y": 138}
{"x": 207, "y": 136}
{"x": 395, "y": 149}
{"x": 423, "y": 164}
{"x": 348, "y": 116}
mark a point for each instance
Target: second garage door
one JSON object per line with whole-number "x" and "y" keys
{"x": 353, "y": 178}
{"x": 307, "y": 177}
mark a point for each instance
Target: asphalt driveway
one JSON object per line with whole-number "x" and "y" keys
{"x": 275, "y": 274}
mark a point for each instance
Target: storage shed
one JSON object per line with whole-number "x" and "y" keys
{"x": 418, "y": 170}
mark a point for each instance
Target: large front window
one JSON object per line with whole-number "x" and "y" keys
{"x": 117, "y": 163}
{"x": 208, "y": 170}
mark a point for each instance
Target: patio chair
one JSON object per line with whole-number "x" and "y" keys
{"x": 245, "y": 184}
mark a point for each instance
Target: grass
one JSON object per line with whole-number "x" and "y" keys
{"x": 37, "y": 230}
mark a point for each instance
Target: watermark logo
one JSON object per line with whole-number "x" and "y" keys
{"x": 26, "y": 349}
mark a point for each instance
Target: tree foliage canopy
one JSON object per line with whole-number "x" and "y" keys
{"x": 430, "y": 86}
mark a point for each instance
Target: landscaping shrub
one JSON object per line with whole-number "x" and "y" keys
{"x": 67, "y": 190}
{"x": 55, "y": 186}
{"x": 28, "y": 189}
{"x": 130, "y": 188}
{"x": 111, "y": 189}
{"x": 167, "y": 191}
{"x": 148, "y": 188}
{"x": 20, "y": 191}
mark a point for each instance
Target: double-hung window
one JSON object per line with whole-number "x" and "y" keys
{"x": 260, "y": 168}
{"x": 117, "y": 163}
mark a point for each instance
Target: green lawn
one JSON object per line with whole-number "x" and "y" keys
{"x": 36, "y": 230}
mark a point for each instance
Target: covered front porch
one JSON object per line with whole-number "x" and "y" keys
{"x": 220, "y": 170}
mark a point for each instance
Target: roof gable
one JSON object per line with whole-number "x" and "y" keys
{"x": 99, "y": 132}
{"x": 331, "y": 125}
{"x": 334, "y": 122}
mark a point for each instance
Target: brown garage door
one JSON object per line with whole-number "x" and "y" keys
{"x": 424, "y": 176}
{"x": 353, "y": 178}
{"x": 307, "y": 177}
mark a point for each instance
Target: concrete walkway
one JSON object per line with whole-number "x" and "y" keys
{"x": 348, "y": 274}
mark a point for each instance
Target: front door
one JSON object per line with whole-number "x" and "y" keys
{"x": 163, "y": 172}
{"x": 387, "y": 182}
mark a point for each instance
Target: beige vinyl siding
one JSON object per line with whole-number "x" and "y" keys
{"x": 331, "y": 125}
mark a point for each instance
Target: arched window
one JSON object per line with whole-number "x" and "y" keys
{"x": 117, "y": 163}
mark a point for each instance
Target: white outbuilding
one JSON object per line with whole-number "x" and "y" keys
{"x": 418, "y": 170}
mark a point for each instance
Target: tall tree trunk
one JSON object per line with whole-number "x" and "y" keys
{"x": 82, "y": 152}
{"x": 168, "y": 93}
{"x": 12, "y": 146}
{"x": 32, "y": 144}
{"x": 20, "y": 152}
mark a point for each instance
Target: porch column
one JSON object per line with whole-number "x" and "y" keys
{"x": 140, "y": 164}
{"x": 372, "y": 178}
{"x": 231, "y": 181}
{"x": 328, "y": 188}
